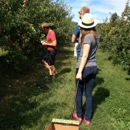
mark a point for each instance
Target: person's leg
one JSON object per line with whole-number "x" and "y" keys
{"x": 45, "y": 61}
{"x": 53, "y": 71}
{"x": 45, "y": 64}
{"x": 52, "y": 60}
{"x": 89, "y": 88}
{"x": 48, "y": 68}
{"x": 90, "y": 78}
{"x": 79, "y": 97}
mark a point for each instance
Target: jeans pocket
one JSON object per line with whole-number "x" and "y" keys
{"x": 89, "y": 72}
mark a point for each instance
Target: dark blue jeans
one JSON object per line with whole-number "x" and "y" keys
{"x": 88, "y": 78}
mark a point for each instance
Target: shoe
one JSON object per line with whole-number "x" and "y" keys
{"x": 77, "y": 118}
{"x": 49, "y": 77}
{"x": 87, "y": 122}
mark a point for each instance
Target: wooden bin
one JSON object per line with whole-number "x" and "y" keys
{"x": 62, "y": 124}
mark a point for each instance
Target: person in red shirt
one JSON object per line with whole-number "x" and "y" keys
{"x": 50, "y": 55}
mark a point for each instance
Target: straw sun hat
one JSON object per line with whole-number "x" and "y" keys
{"x": 87, "y": 21}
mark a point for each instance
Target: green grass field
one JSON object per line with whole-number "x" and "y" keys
{"x": 31, "y": 102}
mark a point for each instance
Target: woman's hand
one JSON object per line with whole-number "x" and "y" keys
{"x": 79, "y": 76}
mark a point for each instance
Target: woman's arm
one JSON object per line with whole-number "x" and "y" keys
{"x": 86, "y": 49}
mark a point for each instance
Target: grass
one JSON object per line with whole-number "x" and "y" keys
{"x": 2, "y": 52}
{"x": 30, "y": 102}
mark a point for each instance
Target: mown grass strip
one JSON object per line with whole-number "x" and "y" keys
{"x": 31, "y": 102}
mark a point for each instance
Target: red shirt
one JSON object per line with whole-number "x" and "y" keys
{"x": 49, "y": 38}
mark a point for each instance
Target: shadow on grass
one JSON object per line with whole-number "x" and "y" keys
{"x": 98, "y": 81}
{"x": 12, "y": 116}
{"x": 63, "y": 71}
{"x": 16, "y": 108}
{"x": 19, "y": 106}
{"x": 43, "y": 115}
{"x": 100, "y": 95}
{"x": 128, "y": 79}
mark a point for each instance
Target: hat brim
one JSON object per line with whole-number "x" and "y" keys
{"x": 87, "y": 26}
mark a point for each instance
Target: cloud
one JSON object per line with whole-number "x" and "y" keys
{"x": 100, "y": 9}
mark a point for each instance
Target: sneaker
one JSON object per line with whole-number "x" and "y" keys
{"x": 49, "y": 77}
{"x": 77, "y": 118}
{"x": 86, "y": 122}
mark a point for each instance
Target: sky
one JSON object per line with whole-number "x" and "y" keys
{"x": 101, "y": 9}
